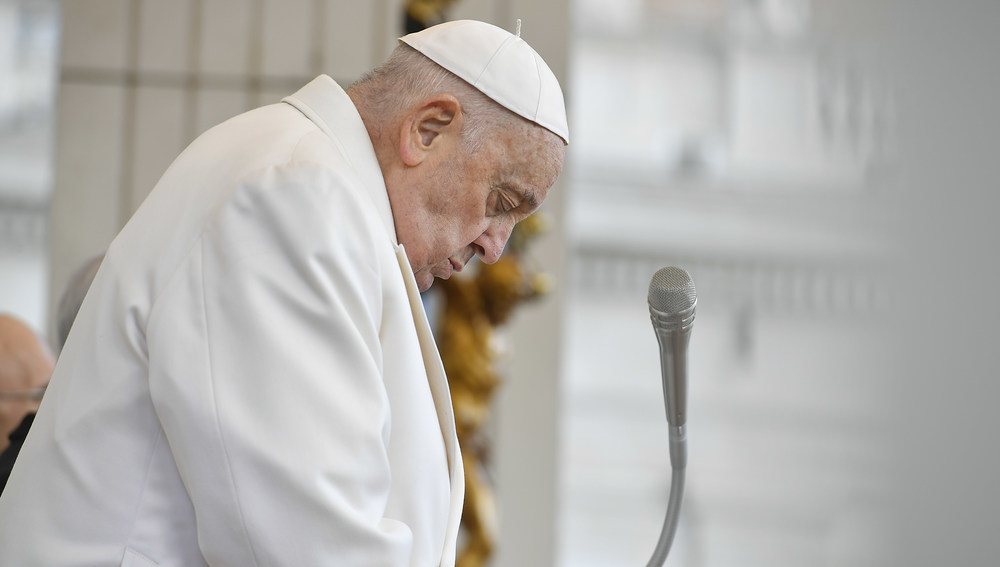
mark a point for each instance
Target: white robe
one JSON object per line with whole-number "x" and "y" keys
{"x": 251, "y": 380}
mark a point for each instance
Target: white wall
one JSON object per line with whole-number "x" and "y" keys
{"x": 948, "y": 361}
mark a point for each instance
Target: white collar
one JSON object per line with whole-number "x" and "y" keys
{"x": 326, "y": 104}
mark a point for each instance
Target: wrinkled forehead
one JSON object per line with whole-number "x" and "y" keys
{"x": 538, "y": 155}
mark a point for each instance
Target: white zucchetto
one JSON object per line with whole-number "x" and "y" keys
{"x": 501, "y": 65}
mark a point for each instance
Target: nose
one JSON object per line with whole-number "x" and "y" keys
{"x": 492, "y": 241}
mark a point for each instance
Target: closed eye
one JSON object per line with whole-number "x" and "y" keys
{"x": 500, "y": 203}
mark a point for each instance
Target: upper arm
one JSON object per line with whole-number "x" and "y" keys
{"x": 266, "y": 371}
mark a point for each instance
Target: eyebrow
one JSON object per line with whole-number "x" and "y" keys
{"x": 529, "y": 196}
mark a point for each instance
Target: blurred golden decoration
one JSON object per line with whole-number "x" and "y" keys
{"x": 474, "y": 305}
{"x": 422, "y": 14}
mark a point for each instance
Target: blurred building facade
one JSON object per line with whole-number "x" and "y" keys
{"x": 750, "y": 143}
{"x": 29, "y": 43}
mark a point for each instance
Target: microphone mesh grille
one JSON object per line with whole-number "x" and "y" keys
{"x": 671, "y": 290}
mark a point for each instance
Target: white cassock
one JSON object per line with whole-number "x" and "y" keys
{"x": 251, "y": 380}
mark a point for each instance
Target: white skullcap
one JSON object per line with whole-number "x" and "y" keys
{"x": 501, "y": 65}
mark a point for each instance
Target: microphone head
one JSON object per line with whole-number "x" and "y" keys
{"x": 672, "y": 291}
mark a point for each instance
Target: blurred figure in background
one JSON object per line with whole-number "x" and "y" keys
{"x": 26, "y": 364}
{"x": 72, "y": 297}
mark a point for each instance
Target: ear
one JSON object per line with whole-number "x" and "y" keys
{"x": 426, "y": 127}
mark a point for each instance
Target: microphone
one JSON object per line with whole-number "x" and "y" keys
{"x": 671, "y": 308}
{"x": 672, "y": 300}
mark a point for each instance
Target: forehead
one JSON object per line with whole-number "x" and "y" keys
{"x": 531, "y": 162}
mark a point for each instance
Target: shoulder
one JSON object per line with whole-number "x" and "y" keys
{"x": 306, "y": 206}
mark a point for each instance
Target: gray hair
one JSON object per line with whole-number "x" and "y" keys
{"x": 408, "y": 77}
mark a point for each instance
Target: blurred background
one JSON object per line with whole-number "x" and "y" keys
{"x": 824, "y": 169}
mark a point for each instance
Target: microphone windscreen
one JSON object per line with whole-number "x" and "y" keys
{"x": 671, "y": 291}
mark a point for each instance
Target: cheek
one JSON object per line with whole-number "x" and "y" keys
{"x": 470, "y": 233}
{"x": 455, "y": 224}
{"x": 462, "y": 230}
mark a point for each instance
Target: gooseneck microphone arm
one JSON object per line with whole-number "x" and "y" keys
{"x": 672, "y": 300}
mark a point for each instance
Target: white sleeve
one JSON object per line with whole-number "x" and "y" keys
{"x": 266, "y": 374}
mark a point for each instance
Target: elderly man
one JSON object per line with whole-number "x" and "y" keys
{"x": 25, "y": 367}
{"x": 251, "y": 379}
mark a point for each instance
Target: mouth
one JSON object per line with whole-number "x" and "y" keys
{"x": 444, "y": 269}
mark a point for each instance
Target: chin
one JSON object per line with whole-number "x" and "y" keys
{"x": 424, "y": 281}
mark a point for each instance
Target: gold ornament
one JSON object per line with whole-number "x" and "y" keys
{"x": 474, "y": 305}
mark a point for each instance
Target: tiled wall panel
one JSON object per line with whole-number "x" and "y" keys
{"x": 86, "y": 203}
{"x": 348, "y": 48}
{"x": 165, "y": 36}
{"x": 225, "y": 37}
{"x": 159, "y": 134}
{"x": 288, "y": 38}
{"x": 95, "y": 33}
